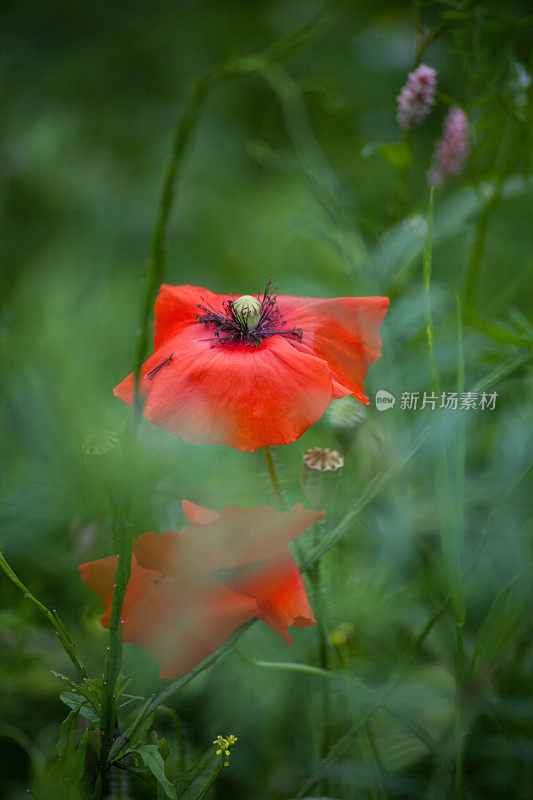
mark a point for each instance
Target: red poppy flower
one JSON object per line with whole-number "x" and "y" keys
{"x": 249, "y": 372}
{"x": 189, "y": 591}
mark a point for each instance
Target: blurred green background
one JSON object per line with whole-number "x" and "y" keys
{"x": 274, "y": 188}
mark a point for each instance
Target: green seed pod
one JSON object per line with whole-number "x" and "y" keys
{"x": 317, "y": 475}
{"x": 248, "y": 311}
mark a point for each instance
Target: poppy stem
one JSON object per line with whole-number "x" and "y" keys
{"x": 54, "y": 618}
{"x": 274, "y": 482}
{"x": 108, "y": 713}
{"x": 281, "y": 502}
{"x": 323, "y": 661}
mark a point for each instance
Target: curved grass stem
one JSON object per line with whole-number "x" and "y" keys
{"x": 53, "y": 617}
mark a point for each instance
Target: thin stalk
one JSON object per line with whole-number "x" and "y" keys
{"x": 280, "y": 498}
{"x": 430, "y": 337}
{"x": 460, "y": 493}
{"x": 459, "y": 712}
{"x": 109, "y": 722}
{"x": 322, "y": 633}
{"x": 274, "y": 482}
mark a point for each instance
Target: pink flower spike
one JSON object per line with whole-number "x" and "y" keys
{"x": 452, "y": 150}
{"x": 417, "y": 97}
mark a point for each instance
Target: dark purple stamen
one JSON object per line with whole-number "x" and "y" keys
{"x": 230, "y": 326}
{"x": 153, "y": 373}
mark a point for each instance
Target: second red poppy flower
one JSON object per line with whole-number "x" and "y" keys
{"x": 190, "y": 590}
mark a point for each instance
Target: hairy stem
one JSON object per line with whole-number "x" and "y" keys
{"x": 274, "y": 482}
{"x": 322, "y": 636}
{"x": 54, "y": 618}
{"x": 108, "y": 715}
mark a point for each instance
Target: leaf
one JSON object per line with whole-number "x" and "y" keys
{"x": 66, "y": 743}
{"x": 397, "y": 154}
{"x": 153, "y": 760}
{"x": 498, "y": 628}
{"x": 77, "y": 703}
{"x": 63, "y": 779}
{"x": 141, "y": 731}
{"x": 79, "y": 689}
{"x": 196, "y": 782}
{"x": 121, "y": 685}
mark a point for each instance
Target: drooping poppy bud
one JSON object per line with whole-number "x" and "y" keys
{"x": 103, "y": 455}
{"x": 345, "y": 417}
{"x": 345, "y": 413}
{"x": 100, "y": 442}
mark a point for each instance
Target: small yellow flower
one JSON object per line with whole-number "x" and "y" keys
{"x": 224, "y": 746}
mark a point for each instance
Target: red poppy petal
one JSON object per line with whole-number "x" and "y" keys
{"x": 160, "y": 552}
{"x": 278, "y": 588}
{"x": 198, "y": 514}
{"x": 188, "y": 621}
{"x": 99, "y": 575}
{"x": 179, "y": 623}
{"x": 176, "y": 306}
{"x": 243, "y": 397}
{"x": 240, "y": 536}
{"x": 345, "y": 331}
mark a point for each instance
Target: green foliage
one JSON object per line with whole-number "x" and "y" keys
{"x": 397, "y": 154}
{"x": 297, "y": 171}
{"x": 64, "y": 778}
{"x": 150, "y": 756}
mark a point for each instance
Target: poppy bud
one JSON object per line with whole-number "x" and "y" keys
{"x": 344, "y": 417}
{"x": 315, "y": 477}
{"x": 164, "y": 749}
{"x": 102, "y": 453}
{"x": 248, "y": 310}
{"x": 340, "y": 635}
{"x": 340, "y": 638}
